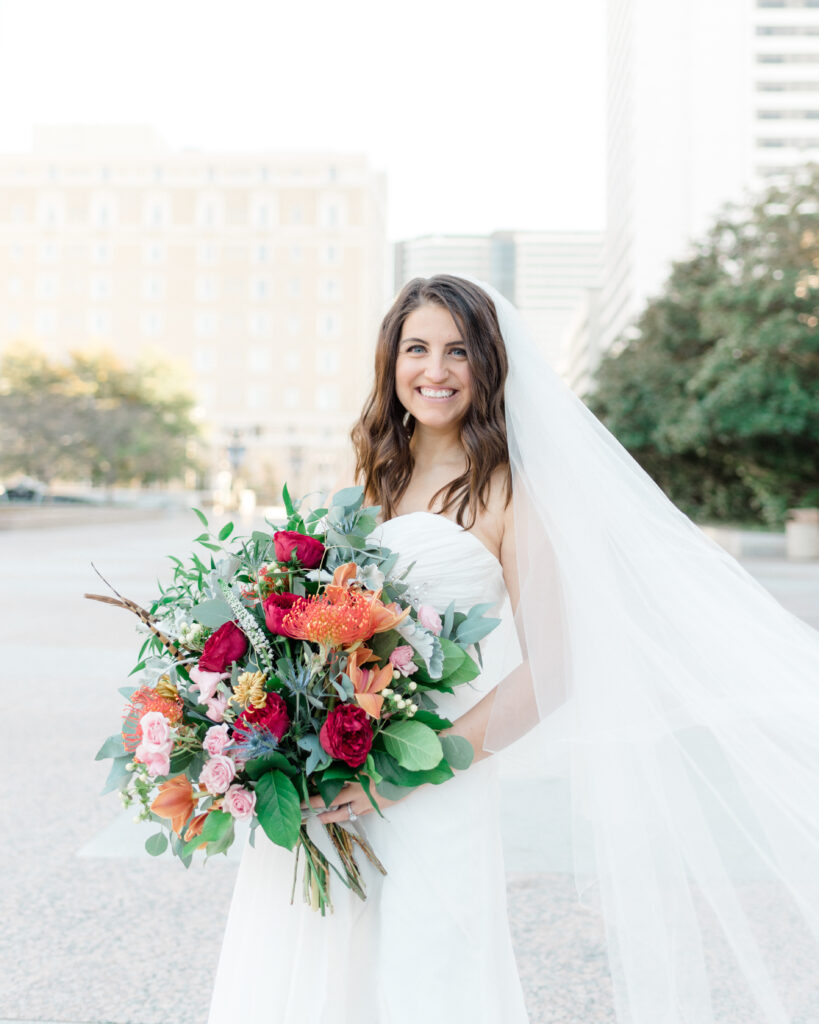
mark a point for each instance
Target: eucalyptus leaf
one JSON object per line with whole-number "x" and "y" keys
{"x": 458, "y": 751}
{"x": 156, "y": 844}
{"x": 118, "y": 775}
{"x": 113, "y": 747}
{"x": 212, "y": 613}
{"x": 414, "y": 745}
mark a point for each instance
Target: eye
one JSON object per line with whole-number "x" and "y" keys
{"x": 461, "y": 352}
{"x": 415, "y": 348}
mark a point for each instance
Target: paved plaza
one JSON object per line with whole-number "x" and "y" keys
{"x": 94, "y": 930}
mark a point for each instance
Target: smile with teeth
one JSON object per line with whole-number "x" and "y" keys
{"x": 436, "y": 393}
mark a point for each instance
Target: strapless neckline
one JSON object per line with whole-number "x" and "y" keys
{"x": 460, "y": 529}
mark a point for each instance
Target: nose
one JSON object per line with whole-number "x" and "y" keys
{"x": 435, "y": 370}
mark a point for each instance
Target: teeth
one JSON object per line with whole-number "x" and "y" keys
{"x": 443, "y": 393}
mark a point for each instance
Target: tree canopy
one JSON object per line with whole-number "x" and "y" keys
{"x": 717, "y": 392}
{"x": 90, "y": 418}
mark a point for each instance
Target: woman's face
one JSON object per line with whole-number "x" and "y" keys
{"x": 432, "y": 379}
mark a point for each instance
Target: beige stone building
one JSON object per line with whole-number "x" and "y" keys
{"x": 261, "y": 276}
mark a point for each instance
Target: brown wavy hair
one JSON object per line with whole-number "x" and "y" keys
{"x": 381, "y": 437}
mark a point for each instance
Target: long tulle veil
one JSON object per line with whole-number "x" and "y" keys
{"x": 685, "y": 700}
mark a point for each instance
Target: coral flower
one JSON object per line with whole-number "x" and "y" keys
{"x": 176, "y": 801}
{"x": 143, "y": 700}
{"x": 195, "y": 828}
{"x": 342, "y": 617}
{"x": 367, "y": 682}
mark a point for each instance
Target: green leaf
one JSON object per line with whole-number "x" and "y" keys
{"x": 453, "y": 656}
{"x": 113, "y": 747}
{"x": 458, "y": 751}
{"x": 464, "y": 673}
{"x": 475, "y": 626}
{"x": 390, "y": 790}
{"x": 226, "y": 531}
{"x": 329, "y": 789}
{"x": 212, "y": 613}
{"x": 288, "y": 502}
{"x": 392, "y": 772}
{"x": 156, "y": 844}
{"x": 256, "y": 768}
{"x": 202, "y": 517}
{"x": 350, "y": 498}
{"x": 221, "y": 844}
{"x": 216, "y": 824}
{"x": 432, "y": 720}
{"x": 118, "y": 775}
{"x": 414, "y": 745}
{"x": 140, "y": 665}
{"x": 127, "y": 691}
{"x": 278, "y": 809}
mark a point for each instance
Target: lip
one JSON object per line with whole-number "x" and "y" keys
{"x": 428, "y": 398}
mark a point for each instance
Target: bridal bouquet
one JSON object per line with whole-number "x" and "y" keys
{"x": 283, "y": 665}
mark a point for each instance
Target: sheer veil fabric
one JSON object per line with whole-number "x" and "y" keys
{"x": 685, "y": 701}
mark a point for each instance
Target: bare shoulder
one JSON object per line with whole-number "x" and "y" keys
{"x": 491, "y": 522}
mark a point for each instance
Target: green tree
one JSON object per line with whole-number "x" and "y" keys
{"x": 717, "y": 393}
{"x": 91, "y": 418}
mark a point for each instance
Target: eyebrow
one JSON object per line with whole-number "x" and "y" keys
{"x": 423, "y": 342}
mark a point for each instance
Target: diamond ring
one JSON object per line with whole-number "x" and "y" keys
{"x": 351, "y": 812}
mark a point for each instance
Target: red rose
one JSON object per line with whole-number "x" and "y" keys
{"x": 308, "y": 550}
{"x": 273, "y": 717}
{"x": 275, "y": 608}
{"x": 222, "y": 648}
{"x": 347, "y": 735}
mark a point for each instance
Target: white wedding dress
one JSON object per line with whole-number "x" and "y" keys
{"x": 432, "y": 942}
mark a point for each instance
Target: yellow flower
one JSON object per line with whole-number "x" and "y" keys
{"x": 165, "y": 688}
{"x": 250, "y": 689}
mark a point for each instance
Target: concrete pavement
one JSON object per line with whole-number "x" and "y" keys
{"x": 125, "y": 939}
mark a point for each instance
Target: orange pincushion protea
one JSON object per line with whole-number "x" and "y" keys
{"x": 143, "y": 700}
{"x": 345, "y": 614}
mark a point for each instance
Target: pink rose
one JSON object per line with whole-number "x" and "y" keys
{"x": 217, "y": 707}
{"x": 401, "y": 659}
{"x": 240, "y": 802}
{"x": 155, "y": 731}
{"x": 157, "y": 762}
{"x": 205, "y": 682}
{"x": 429, "y": 618}
{"x": 216, "y": 739}
{"x": 217, "y": 774}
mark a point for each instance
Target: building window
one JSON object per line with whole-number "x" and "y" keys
{"x": 153, "y": 288}
{"x": 805, "y": 143}
{"x": 330, "y": 289}
{"x": 260, "y": 325}
{"x": 48, "y": 252}
{"x": 46, "y": 286}
{"x": 259, "y": 359}
{"x": 257, "y": 396}
{"x": 261, "y": 254}
{"x": 207, "y": 253}
{"x": 787, "y": 3}
{"x": 99, "y": 323}
{"x": 259, "y": 288}
{"x": 45, "y": 322}
{"x": 787, "y": 115}
{"x": 292, "y": 361}
{"x": 100, "y": 287}
{"x": 328, "y": 362}
{"x": 292, "y": 397}
{"x": 296, "y": 215}
{"x": 294, "y": 325}
{"x": 296, "y": 254}
{"x": 788, "y": 58}
{"x": 207, "y": 288}
{"x": 101, "y": 252}
{"x": 787, "y": 30}
{"x": 204, "y": 359}
{"x": 154, "y": 253}
{"x": 294, "y": 287}
{"x": 204, "y": 324}
{"x": 14, "y": 285}
{"x": 152, "y": 323}
{"x": 330, "y": 253}
{"x": 788, "y": 86}
{"x": 326, "y": 398}
{"x": 16, "y": 253}
{"x": 328, "y": 325}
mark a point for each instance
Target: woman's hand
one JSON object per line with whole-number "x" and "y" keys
{"x": 352, "y": 794}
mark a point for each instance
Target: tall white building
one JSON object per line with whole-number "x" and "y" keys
{"x": 545, "y": 273}
{"x": 263, "y": 276}
{"x": 706, "y": 100}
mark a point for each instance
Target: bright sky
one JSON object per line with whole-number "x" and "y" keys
{"x": 484, "y": 116}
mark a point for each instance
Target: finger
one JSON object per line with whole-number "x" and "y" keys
{"x": 342, "y": 814}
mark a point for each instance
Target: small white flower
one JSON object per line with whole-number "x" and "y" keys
{"x": 396, "y": 674}
{"x": 412, "y": 709}
{"x": 412, "y": 686}
{"x": 400, "y": 703}
{"x": 387, "y": 692}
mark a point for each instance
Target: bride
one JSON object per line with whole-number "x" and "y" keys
{"x": 680, "y": 697}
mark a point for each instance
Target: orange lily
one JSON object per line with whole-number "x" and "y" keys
{"x": 195, "y": 828}
{"x": 367, "y": 682}
{"x": 176, "y": 801}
